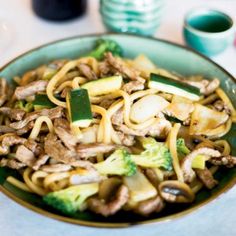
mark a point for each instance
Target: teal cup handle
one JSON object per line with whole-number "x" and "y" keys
{"x": 208, "y": 31}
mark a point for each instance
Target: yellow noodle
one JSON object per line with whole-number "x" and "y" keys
{"x": 52, "y": 178}
{"x": 77, "y": 81}
{"x": 38, "y": 124}
{"x": 17, "y": 183}
{"x": 221, "y": 130}
{"x": 173, "y": 150}
{"x": 69, "y": 76}
{"x": 91, "y": 61}
{"x": 38, "y": 176}
{"x": 227, "y": 102}
{"x": 63, "y": 85}
{"x": 225, "y": 145}
{"x": 159, "y": 174}
{"x": 35, "y": 188}
{"x": 208, "y": 99}
{"x": 114, "y": 137}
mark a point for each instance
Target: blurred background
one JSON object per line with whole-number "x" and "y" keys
{"x": 21, "y": 29}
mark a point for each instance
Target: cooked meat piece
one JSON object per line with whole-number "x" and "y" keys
{"x": 104, "y": 69}
{"x": 120, "y": 67}
{"x": 206, "y": 86}
{"x": 90, "y": 150}
{"x": 33, "y": 146}
{"x": 24, "y": 155}
{"x": 4, "y": 129}
{"x": 127, "y": 140}
{"x": 30, "y": 89}
{"x": 100, "y": 207}
{"x": 186, "y": 164}
{"x": 145, "y": 208}
{"x": 62, "y": 129}
{"x": 25, "y": 129}
{"x": 133, "y": 86}
{"x": 87, "y": 72}
{"x": 53, "y": 113}
{"x": 55, "y": 168}
{"x": 85, "y": 176}
{"x": 82, "y": 164}
{"x": 11, "y": 163}
{"x": 41, "y": 160}
{"x": 65, "y": 91}
{"x": 55, "y": 149}
{"x": 160, "y": 128}
{"x": 228, "y": 161}
{"x": 13, "y": 113}
{"x": 105, "y": 103}
{"x": 118, "y": 117}
{"x": 8, "y": 141}
{"x": 219, "y": 105}
{"x": 3, "y": 91}
{"x": 206, "y": 178}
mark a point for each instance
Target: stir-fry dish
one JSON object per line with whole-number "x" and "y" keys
{"x": 104, "y": 133}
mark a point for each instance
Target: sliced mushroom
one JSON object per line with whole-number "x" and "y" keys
{"x": 176, "y": 191}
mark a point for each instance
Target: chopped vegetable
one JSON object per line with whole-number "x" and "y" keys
{"x": 118, "y": 163}
{"x": 182, "y": 149}
{"x": 147, "y": 107}
{"x": 42, "y": 101}
{"x": 204, "y": 120}
{"x": 172, "y": 86}
{"x": 26, "y": 106}
{"x": 103, "y": 86}
{"x": 140, "y": 188}
{"x": 103, "y": 46}
{"x": 71, "y": 199}
{"x": 199, "y": 162}
{"x": 156, "y": 154}
{"x": 79, "y": 108}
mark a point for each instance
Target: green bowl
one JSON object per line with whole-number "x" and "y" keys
{"x": 208, "y": 31}
{"x": 167, "y": 55}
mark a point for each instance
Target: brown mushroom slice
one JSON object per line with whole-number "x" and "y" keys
{"x": 176, "y": 192}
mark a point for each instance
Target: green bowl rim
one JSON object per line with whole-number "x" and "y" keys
{"x": 33, "y": 208}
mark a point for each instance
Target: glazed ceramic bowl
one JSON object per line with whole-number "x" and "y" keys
{"x": 208, "y": 31}
{"x": 167, "y": 55}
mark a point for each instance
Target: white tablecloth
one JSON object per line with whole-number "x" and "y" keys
{"x": 25, "y": 31}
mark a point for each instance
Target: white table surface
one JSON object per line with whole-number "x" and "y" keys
{"x": 25, "y": 31}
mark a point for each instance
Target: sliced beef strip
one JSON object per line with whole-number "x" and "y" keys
{"x": 186, "y": 165}
{"x": 62, "y": 129}
{"x": 55, "y": 149}
{"x": 53, "y": 113}
{"x": 145, "y": 208}
{"x": 41, "y": 160}
{"x": 219, "y": 105}
{"x": 24, "y": 155}
{"x": 13, "y": 113}
{"x": 11, "y": 163}
{"x": 25, "y": 129}
{"x": 133, "y": 86}
{"x": 206, "y": 178}
{"x": 118, "y": 117}
{"x": 120, "y": 67}
{"x": 53, "y": 168}
{"x": 3, "y": 91}
{"x": 109, "y": 208}
{"x": 35, "y": 147}
{"x": 228, "y": 161}
{"x": 4, "y": 129}
{"x": 127, "y": 140}
{"x": 104, "y": 69}
{"x": 90, "y": 150}
{"x": 30, "y": 89}
{"x": 87, "y": 72}
{"x": 8, "y": 141}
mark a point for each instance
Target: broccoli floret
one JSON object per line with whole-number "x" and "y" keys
{"x": 156, "y": 154}
{"x": 71, "y": 199}
{"x": 118, "y": 163}
{"x": 23, "y": 105}
{"x": 105, "y": 45}
{"x": 182, "y": 149}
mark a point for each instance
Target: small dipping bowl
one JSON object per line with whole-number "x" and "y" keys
{"x": 208, "y": 31}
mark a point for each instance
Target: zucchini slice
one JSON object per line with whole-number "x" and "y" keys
{"x": 172, "y": 86}
{"x": 103, "y": 86}
{"x": 79, "y": 107}
{"x": 42, "y": 101}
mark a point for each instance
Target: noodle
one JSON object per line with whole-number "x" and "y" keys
{"x": 17, "y": 183}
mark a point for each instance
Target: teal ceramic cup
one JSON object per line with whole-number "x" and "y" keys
{"x": 208, "y": 31}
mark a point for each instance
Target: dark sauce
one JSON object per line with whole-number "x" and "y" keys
{"x": 59, "y": 10}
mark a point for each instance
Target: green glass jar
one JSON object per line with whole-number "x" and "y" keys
{"x": 138, "y": 17}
